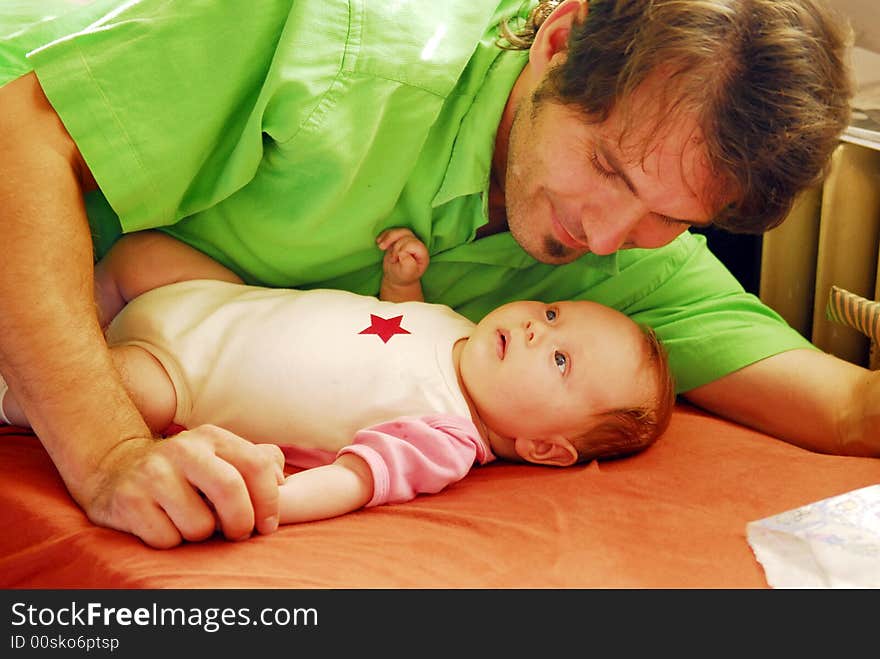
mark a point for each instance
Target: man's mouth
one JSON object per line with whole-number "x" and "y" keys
{"x": 501, "y": 342}
{"x": 566, "y": 237}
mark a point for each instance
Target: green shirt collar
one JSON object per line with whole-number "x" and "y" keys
{"x": 491, "y": 73}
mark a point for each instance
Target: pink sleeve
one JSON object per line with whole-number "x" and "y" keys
{"x": 418, "y": 455}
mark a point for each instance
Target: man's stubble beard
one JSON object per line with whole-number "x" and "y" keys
{"x": 544, "y": 248}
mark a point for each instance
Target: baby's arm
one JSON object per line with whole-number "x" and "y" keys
{"x": 327, "y": 491}
{"x": 406, "y": 259}
{"x": 141, "y": 261}
{"x": 390, "y": 462}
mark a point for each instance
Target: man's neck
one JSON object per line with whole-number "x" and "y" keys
{"x": 497, "y": 209}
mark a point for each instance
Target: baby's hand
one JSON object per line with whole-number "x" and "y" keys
{"x": 406, "y": 257}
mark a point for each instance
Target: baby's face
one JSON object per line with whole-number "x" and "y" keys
{"x": 535, "y": 370}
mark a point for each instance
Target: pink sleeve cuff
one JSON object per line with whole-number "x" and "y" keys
{"x": 418, "y": 455}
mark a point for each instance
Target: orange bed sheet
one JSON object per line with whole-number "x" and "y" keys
{"x": 671, "y": 517}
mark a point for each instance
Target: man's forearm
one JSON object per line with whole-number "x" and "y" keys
{"x": 52, "y": 352}
{"x": 56, "y": 362}
{"x": 805, "y": 397}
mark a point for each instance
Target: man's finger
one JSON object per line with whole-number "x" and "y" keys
{"x": 240, "y": 480}
{"x": 263, "y": 473}
{"x": 225, "y": 488}
{"x": 187, "y": 510}
{"x": 140, "y": 515}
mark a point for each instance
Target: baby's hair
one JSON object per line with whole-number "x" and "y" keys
{"x": 629, "y": 430}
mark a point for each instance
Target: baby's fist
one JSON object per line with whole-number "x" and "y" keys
{"x": 406, "y": 257}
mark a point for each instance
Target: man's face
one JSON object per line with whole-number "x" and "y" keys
{"x": 573, "y": 187}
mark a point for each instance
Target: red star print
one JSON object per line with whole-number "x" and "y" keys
{"x": 385, "y": 328}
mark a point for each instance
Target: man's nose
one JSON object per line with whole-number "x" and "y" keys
{"x": 610, "y": 227}
{"x": 615, "y": 228}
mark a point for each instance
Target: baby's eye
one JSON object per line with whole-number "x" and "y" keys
{"x": 561, "y": 361}
{"x": 550, "y": 314}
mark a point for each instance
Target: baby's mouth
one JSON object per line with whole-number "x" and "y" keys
{"x": 501, "y": 344}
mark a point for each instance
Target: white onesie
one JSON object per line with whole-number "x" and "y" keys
{"x": 305, "y": 369}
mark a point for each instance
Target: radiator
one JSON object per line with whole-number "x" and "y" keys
{"x": 830, "y": 239}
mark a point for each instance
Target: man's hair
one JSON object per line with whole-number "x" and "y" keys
{"x": 629, "y": 430}
{"x": 766, "y": 79}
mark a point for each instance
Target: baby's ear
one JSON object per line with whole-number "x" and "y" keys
{"x": 554, "y": 451}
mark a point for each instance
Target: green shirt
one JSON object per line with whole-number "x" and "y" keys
{"x": 280, "y": 137}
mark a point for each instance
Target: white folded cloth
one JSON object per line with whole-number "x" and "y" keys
{"x": 832, "y": 543}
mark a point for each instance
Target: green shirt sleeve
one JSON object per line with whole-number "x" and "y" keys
{"x": 709, "y": 325}
{"x": 28, "y": 24}
{"x": 153, "y": 121}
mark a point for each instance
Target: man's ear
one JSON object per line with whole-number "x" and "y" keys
{"x": 552, "y": 36}
{"x": 554, "y": 451}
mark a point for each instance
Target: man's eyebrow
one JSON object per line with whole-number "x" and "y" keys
{"x": 615, "y": 165}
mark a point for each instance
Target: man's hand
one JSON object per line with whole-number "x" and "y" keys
{"x": 186, "y": 486}
{"x": 406, "y": 259}
{"x": 861, "y": 430}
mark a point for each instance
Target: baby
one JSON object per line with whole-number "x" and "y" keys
{"x": 378, "y": 400}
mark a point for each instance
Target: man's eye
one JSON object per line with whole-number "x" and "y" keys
{"x": 671, "y": 222}
{"x": 600, "y": 170}
{"x": 561, "y": 361}
{"x": 550, "y": 314}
